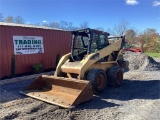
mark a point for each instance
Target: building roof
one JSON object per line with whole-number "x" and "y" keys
{"x": 28, "y": 26}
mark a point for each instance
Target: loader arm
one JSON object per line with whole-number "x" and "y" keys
{"x": 91, "y": 59}
{"x": 81, "y": 67}
{"x": 61, "y": 62}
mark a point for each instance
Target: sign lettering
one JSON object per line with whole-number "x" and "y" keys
{"x": 28, "y": 44}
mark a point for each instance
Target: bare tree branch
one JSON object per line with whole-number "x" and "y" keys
{"x": 121, "y": 28}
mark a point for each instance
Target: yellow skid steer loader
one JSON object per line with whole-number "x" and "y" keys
{"x": 92, "y": 63}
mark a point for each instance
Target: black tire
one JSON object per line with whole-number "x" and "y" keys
{"x": 98, "y": 80}
{"x": 115, "y": 76}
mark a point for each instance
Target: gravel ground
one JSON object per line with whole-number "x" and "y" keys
{"x": 138, "y": 98}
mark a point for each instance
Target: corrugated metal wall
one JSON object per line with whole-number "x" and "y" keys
{"x": 55, "y": 42}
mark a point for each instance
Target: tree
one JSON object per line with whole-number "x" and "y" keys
{"x": 151, "y": 31}
{"x": 44, "y": 23}
{"x": 37, "y": 24}
{"x": 63, "y": 25}
{"x": 111, "y": 31}
{"x": 70, "y": 26}
{"x": 121, "y": 28}
{"x": 1, "y": 17}
{"x": 19, "y": 20}
{"x": 149, "y": 40}
{"x": 151, "y": 37}
{"x": 84, "y": 25}
{"x": 140, "y": 41}
{"x": 130, "y": 36}
{"x": 54, "y": 25}
{"x": 157, "y": 44}
{"x": 9, "y": 19}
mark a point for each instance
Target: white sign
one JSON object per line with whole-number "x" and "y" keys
{"x": 28, "y": 44}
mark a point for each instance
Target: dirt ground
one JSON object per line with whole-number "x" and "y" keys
{"x": 138, "y": 98}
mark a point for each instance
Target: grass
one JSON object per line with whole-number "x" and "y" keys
{"x": 154, "y": 55}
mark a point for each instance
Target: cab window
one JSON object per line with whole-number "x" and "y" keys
{"x": 94, "y": 45}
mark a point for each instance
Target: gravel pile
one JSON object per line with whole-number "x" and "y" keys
{"x": 141, "y": 61}
{"x": 152, "y": 65}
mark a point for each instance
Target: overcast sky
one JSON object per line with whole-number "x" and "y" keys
{"x": 141, "y": 14}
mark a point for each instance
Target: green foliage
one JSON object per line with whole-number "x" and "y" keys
{"x": 129, "y": 45}
{"x": 9, "y": 19}
{"x": 149, "y": 41}
{"x": 154, "y": 55}
{"x": 37, "y": 67}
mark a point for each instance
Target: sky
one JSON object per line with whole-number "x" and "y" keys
{"x": 140, "y": 14}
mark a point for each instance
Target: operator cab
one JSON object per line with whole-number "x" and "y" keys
{"x": 87, "y": 41}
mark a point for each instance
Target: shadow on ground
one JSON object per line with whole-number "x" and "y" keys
{"x": 134, "y": 89}
{"x": 129, "y": 90}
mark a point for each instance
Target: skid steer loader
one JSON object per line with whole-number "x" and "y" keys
{"x": 92, "y": 63}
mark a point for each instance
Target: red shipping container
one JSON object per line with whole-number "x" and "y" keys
{"x": 55, "y": 42}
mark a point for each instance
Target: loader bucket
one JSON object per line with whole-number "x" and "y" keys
{"x": 64, "y": 92}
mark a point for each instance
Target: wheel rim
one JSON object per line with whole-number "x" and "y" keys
{"x": 119, "y": 77}
{"x": 100, "y": 81}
